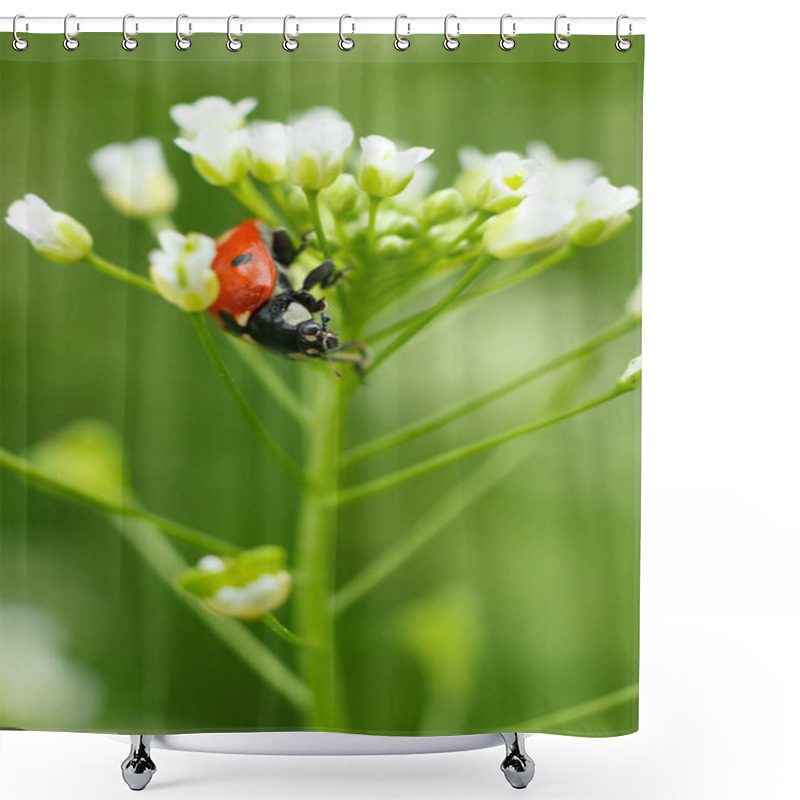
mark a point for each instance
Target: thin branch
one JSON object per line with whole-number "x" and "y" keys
{"x": 316, "y": 219}
{"x": 480, "y": 264}
{"x": 265, "y": 438}
{"x": 268, "y": 377}
{"x": 456, "y": 454}
{"x": 514, "y": 279}
{"x": 469, "y": 489}
{"x": 113, "y": 271}
{"x": 83, "y": 496}
{"x": 435, "y": 421}
{"x": 555, "y": 719}
{"x": 277, "y": 627}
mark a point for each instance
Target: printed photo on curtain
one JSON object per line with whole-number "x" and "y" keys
{"x": 320, "y": 386}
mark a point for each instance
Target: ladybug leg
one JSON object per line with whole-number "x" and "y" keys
{"x": 325, "y": 275}
{"x": 230, "y": 324}
{"x": 361, "y": 356}
{"x": 307, "y": 300}
{"x": 284, "y": 249}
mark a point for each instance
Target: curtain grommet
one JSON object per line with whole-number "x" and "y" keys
{"x": 233, "y": 44}
{"x": 18, "y": 43}
{"x": 451, "y": 42}
{"x": 181, "y": 41}
{"x": 290, "y": 43}
{"x": 70, "y": 42}
{"x": 560, "y": 43}
{"x": 401, "y": 43}
{"x": 622, "y": 44}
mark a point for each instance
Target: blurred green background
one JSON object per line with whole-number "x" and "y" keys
{"x": 524, "y": 606}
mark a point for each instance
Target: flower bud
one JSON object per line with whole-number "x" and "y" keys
{"x": 443, "y": 206}
{"x": 402, "y": 225}
{"x": 392, "y": 246}
{"x": 267, "y": 150}
{"x": 602, "y": 212}
{"x": 634, "y": 305}
{"x": 54, "y": 235}
{"x": 475, "y": 171}
{"x": 343, "y": 197}
{"x": 632, "y": 377}
{"x": 297, "y": 206}
{"x": 246, "y": 586}
{"x": 134, "y": 178}
{"x": 181, "y": 270}
{"x": 211, "y": 112}
{"x": 317, "y": 143}
{"x": 385, "y": 171}
{"x": 536, "y": 224}
{"x": 219, "y": 155}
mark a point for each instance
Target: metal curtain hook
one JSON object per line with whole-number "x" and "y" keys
{"x": 622, "y": 44}
{"x": 560, "y": 43}
{"x": 290, "y": 44}
{"x": 451, "y": 42}
{"x": 401, "y": 42}
{"x": 181, "y": 42}
{"x": 506, "y": 42}
{"x": 129, "y": 42}
{"x": 345, "y": 42}
{"x": 18, "y": 43}
{"x": 70, "y": 42}
{"x": 233, "y": 44}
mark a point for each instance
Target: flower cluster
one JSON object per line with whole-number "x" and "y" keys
{"x": 377, "y": 203}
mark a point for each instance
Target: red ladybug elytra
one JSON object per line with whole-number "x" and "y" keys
{"x": 256, "y": 299}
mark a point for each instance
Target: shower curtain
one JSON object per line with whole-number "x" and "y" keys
{"x": 320, "y": 377}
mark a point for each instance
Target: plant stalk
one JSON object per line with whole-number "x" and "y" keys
{"x": 247, "y": 193}
{"x": 316, "y": 218}
{"x": 316, "y": 551}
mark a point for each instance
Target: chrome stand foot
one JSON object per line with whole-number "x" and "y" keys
{"x": 138, "y": 768}
{"x": 517, "y": 766}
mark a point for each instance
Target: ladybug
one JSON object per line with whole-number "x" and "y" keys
{"x": 256, "y": 300}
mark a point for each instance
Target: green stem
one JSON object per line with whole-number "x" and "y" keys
{"x": 264, "y": 437}
{"x": 165, "y": 562}
{"x": 473, "y": 226}
{"x": 276, "y": 626}
{"x": 442, "y": 418}
{"x": 554, "y": 720}
{"x": 255, "y": 360}
{"x": 315, "y": 536}
{"x": 495, "y": 286}
{"x": 313, "y": 206}
{"x": 374, "y": 202}
{"x": 247, "y": 193}
{"x": 112, "y": 270}
{"x": 79, "y": 494}
{"x": 456, "y": 454}
{"x": 428, "y": 316}
{"x": 162, "y": 222}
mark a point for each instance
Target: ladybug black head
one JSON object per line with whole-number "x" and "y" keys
{"x": 286, "y": 323}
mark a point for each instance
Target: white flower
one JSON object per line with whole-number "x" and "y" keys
{"x": 54, "y": 235}
{"x": 134, "y": 178}
{"x": 40, "y": 687}
{"x": 602, "y": 212}
{"x": 634, "y": 305}
{"x": 219, "y": 155}
{"x": 267, "y": 150}
{"x": 385, "y": 171}
{"x": 247, "y": 585}
{"x": 632, "y": 377}
{"x": 317, "y": 143}
{"x": 181, "y": 270}
{"x": 536, "y": 224}
{"x": 418, "y": 187}
{"x": 254, "y": 599}
{"x": 476, "y": 169}
{"x": 211, "y": 112}
{"x": 510, "y": 179}
{"x": 567, "y": 179}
